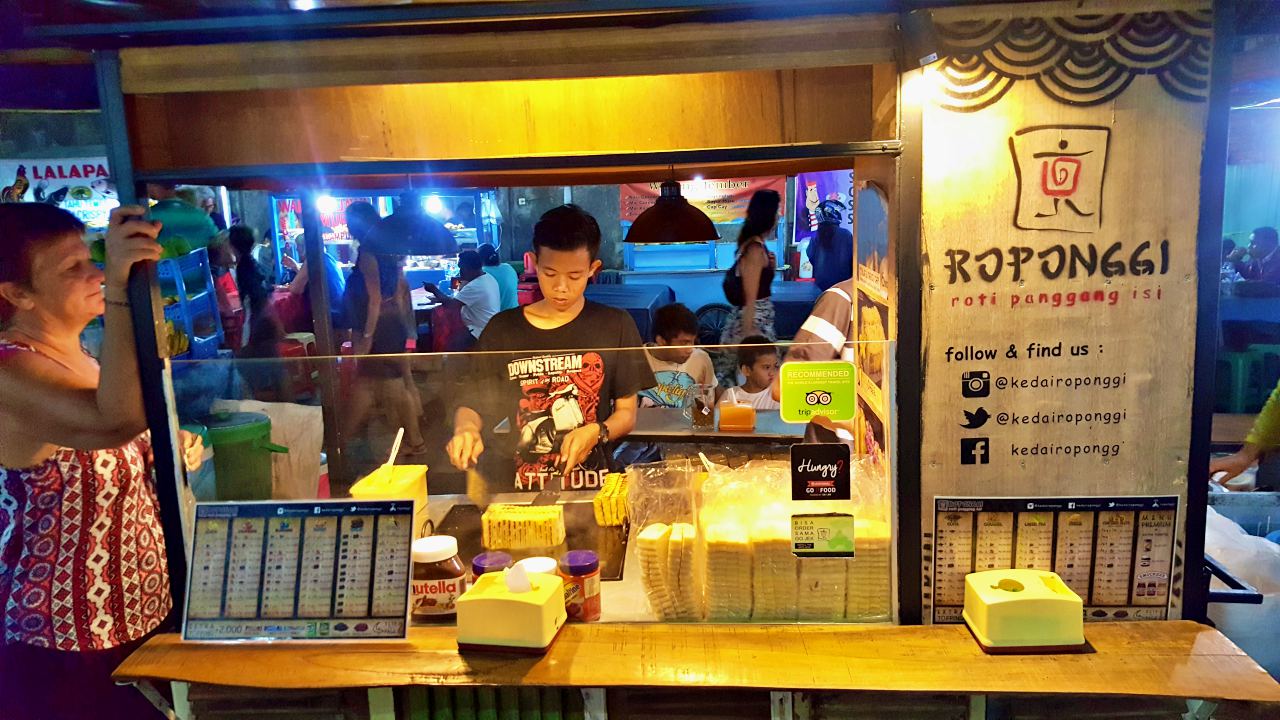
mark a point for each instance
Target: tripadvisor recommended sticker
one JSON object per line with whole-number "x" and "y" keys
{"x": 812, "y": 389}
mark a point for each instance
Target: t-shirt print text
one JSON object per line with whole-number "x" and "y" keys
{"x": 558, "y": 393}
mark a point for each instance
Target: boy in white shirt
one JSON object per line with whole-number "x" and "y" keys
{"x": 758, "y": 362}
{"x": 676, "y": 363}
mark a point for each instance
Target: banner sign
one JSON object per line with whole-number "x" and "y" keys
{"x": 81, "y": 186}
{"x": 724, "y": 201}
{"x": 811, "y": 190}
{"x": 1060, "y": 292}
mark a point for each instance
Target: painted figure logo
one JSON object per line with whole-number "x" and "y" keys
{"x": 1060, "y": 172}
{"x": 1060, "y": 176}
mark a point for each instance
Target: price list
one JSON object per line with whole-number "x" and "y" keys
{"x": 1116, "y": 553}
{"x": 301, "y": 570}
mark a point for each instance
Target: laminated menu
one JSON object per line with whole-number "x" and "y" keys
{"x": 299, "y": 571}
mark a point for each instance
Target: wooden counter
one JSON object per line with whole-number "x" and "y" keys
{"x": 1165, "y": 659}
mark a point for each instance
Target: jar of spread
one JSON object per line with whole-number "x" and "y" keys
{"x": 439, "y": 579}
{"x": 581, "y": 572}
{"x": 489, "y": 562}
{"x": 539, "y": 564}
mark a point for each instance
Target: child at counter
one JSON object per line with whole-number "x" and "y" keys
{"x": 677, "y": 365}
{"x": 556, "y": 368}
{"x": 758, "y": 363}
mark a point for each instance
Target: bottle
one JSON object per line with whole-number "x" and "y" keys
{"x": 439, "y": 579}
{"x": 581, "y": 572}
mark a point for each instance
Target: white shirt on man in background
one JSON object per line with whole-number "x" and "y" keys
{"x": 481, "y": 300}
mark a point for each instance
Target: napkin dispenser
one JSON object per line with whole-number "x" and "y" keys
{"x": 1023, "y": 611}
{"x": 511, "y": 611}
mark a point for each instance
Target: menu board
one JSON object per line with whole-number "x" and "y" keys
{"x": 324, "y": 570}
{"x": 1116, "y": 553}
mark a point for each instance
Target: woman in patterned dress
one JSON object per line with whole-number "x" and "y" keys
{"x": 83, "y": 578}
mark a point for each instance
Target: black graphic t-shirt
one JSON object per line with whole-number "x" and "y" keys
{"x": 549, "y": 382}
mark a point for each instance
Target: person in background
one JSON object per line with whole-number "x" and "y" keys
{"x": 827, "y": 334}
{"x": 758, "y": 363}
{"x": 566, "y": 404}
{"x": 262, "y": 341}
{"x": 677, "y": 365}
{"x": 378, "y": 307}
{"x": 831, "y": 251}
{"x": 333, "y": 279}
{"x": 464, "y": 216}
{"x": 508, "y": 280}
{"x": 179, "y": 219}
{"x": 75, "y": 471}
{"x": 1261, "y": 441}
{"x": 206, "y": 201}
{"x": 478, "y": 299}
{"x": 748, "y": 285}
{"x": 222, "y": 263}
{"x": 1260, "y": 262}
{"x": 425, "y": 234}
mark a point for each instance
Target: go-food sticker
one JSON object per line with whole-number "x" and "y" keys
{"x": 825, "y": 535}
{"x": 818, "y": 389}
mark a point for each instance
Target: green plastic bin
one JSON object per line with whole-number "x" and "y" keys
{"x": 242, "y": 450}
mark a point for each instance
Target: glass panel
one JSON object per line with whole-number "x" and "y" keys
{"x": 690, "y": 515}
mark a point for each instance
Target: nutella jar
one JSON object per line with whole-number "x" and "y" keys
{"x": 439, "y": 579}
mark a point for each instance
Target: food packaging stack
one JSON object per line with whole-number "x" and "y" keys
{"x": 652, "y": 549}
{"x": 823, "y": 586}
{"x": 728, "y": 565}
{"x": 679, "y": 572}
{"x": 774, "y": 585}
{"x": 867, "y": 597}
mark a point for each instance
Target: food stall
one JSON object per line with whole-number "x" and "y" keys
{"x": 1014, "y": 371}
{"x": 449, "y": 206}
{"x": 694, "y": 271}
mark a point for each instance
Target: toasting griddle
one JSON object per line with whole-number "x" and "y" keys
{"x": 581, "y": 533}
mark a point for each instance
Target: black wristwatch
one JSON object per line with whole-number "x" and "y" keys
{"x": 604, "y": 434}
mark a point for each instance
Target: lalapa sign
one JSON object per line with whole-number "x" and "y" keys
{"x": 1060, "y": 200}
{"x": 80, "y": 185}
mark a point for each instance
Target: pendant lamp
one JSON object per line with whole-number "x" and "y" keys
{"x": 672, "y": 220}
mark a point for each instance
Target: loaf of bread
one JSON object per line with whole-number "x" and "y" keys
{"x": 522, "y": 527}
{"x": 610, "y": 504}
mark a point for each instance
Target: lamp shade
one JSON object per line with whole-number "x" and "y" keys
{"x": 672, "y": 220}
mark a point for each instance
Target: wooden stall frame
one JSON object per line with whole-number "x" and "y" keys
{"x": 909, "y": 312}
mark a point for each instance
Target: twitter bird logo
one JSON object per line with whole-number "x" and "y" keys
{"x": 976, "y": 419}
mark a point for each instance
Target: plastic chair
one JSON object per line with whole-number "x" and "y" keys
{"x": 1238, "y": 379}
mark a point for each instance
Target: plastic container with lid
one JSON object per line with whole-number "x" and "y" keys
{"x": 544, "y": 565}
{"x": 489, "y": 562}
{"x": 242, "y": 455}
{"x": 439, "y": 579}
{"x": 580, "y": 570}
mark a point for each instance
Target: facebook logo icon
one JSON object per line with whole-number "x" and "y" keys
{"x": 974, "y": 451}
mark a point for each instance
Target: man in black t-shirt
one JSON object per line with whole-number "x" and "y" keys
{"x": 557, "y": 369}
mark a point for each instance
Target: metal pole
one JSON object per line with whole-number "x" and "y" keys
{"x": 326, "y": 345}
{"x": 1213, "y": 180}
{"x": 144, "y": 300}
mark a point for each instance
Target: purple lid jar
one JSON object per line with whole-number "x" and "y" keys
{"x": 490, "y": 562}
{"x": 579, "y": 562}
